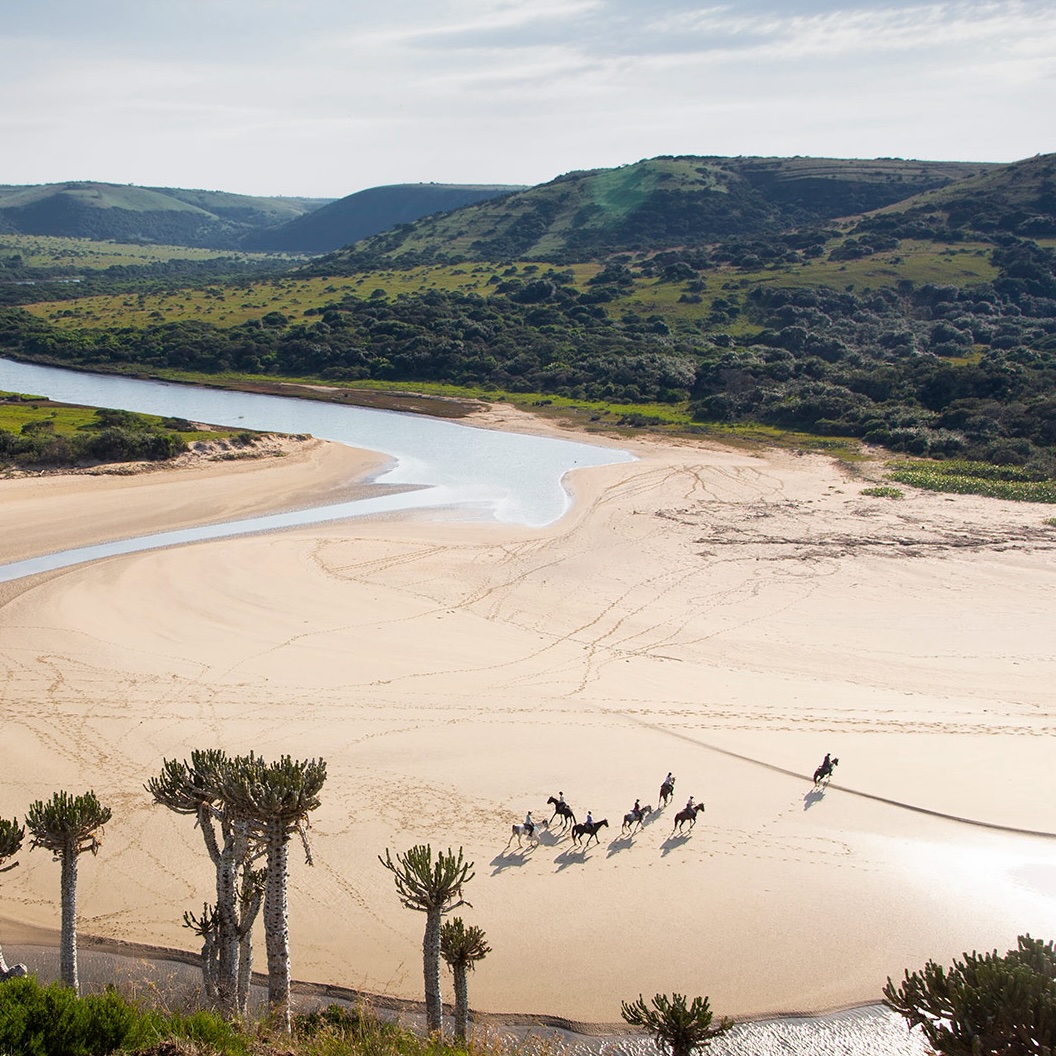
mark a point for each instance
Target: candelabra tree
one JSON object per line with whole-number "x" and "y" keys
{"x": 433, "y": 888}
{"x": 68, "y": 826}
{"x": 275, "y": 799}
{"x": 195, "y": 787}
{"x": 462, "y": 947}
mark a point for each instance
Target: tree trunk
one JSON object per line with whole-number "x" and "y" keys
{"x": 68, "y": 939}
{"x": 434, "y": 1008}
{"x": 276, "y": 926}
{"x": 461, "y": 1001}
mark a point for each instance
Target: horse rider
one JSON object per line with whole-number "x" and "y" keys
{"x": 670, "y": 780}
{"x": 826, "y": 764}
{"x": 561, "y": 798}
{"x": 529, "y": 825}
{"x": 589, "y": 820}
{"x": 637, "y": 809}
{"x": 689, "y": 803}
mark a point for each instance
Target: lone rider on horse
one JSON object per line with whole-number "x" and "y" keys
{"x": 529, "y": 825}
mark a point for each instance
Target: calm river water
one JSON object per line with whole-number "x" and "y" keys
{"x": 482, "y": 473}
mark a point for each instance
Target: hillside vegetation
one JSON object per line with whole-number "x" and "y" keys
{"x": 168, "y": 215}
{"x": 367, "y": 213}
{"x": 927, "y": 325}
{"x": 653, "y": 205}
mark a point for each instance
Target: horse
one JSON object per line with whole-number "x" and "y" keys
{"x": 687, "y": 814}
{"x": 520, "y": 829}
{"x": 590, "y": 831}
{"x": 823, "y": 772}
{"x": 633, "y": 819}
{"x": 563, "y": 809}
{"x": 667, "y": 790}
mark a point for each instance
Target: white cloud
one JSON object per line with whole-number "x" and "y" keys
{"x": 326, "y": 97}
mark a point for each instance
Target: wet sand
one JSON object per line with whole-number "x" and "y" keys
{"x": 727, "y": 616}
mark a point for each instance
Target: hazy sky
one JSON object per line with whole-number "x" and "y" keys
{"x": 327, "y": 97}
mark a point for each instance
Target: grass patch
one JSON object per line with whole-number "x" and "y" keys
{"x": 976, "y": 478}
{"x": 883, "y": 491}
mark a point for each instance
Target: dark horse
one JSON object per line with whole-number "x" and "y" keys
{"x": 562, "y": 809}
{"x": 823, "y": 772}
{"x": 590, "y": 831}
{"x": 634, "y": 819}
{"x": 687, "y": 814}
{"x": 667, "y": 790}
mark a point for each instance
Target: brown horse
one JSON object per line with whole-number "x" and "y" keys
{"x": 562, "y": 810}
{"x": 687, "y": 814}
{"x": 823, "y": 772}
{"x": 667, "y": 790}
{"x": 590, "y": 831}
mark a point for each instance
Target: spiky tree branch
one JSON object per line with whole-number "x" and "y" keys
{"x": 432, "y": 888}
{"x": 68, "y": 826}
{"x": 677, "y": 1028}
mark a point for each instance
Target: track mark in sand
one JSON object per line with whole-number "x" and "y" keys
{"x": 900, "y": 804}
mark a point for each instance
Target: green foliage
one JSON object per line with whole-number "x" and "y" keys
{"x": 977, "y": 478}
{"x": 883, "y": 491}
{"x": 461, "y": 945}
{"x": 11, "y": 837}
{"x": 985, "y": 1003}
{"x": 286, "y": 790}
{"x": 677, "y": 1028}
{"x": 67, "y": 822}
{"x": 424, "y": 884}
{"x": 54, "y": 1021}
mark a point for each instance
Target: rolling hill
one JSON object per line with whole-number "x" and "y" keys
{"x": 656, "y": 204}
{"x": 367, "y": 213}
{"x": 127, "y": 213}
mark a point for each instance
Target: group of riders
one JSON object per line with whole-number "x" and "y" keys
{"x": 637, "y": 810}
{"x": 825, "y": 770}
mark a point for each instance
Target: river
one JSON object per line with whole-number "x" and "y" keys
{"x": 481, "y": 473}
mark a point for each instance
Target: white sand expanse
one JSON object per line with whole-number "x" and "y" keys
{"x": 729, "y": 616}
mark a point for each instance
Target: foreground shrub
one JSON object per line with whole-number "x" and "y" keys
{"x": 54, "y": 1021}
{"x": 985, "y": 1003}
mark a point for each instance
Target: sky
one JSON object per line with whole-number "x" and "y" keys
{"x": 321, "y": 98}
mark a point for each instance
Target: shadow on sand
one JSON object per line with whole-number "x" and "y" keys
{"x": 674, "y": 841}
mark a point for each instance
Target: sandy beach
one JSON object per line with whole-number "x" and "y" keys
{"x": 729, "y": 616}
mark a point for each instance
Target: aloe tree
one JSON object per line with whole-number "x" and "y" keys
{"x": 432, "y": 888}
{"x": 195, "y": 788}
{"x": 462, "y": 947}
{"x": 678, "y": 1029}
{"x": 11, "y": 837}
{"x": 275, "y": 799}
{"x": 68, "y": 826}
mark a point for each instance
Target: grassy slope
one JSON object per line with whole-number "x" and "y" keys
{"x": 228, "y": 306}
{"x": 750, "y": 195}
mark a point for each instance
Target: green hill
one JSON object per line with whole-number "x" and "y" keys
{"x": 106, "y": 211}
{"x": 655, "y": 204}
{"x": 368, "y": 212}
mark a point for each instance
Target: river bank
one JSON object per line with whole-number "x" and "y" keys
{"x": 728, "y": 616}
